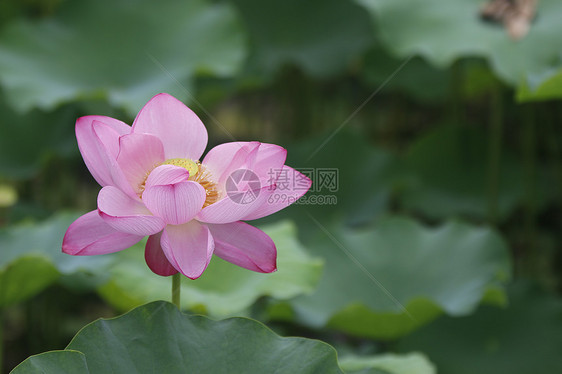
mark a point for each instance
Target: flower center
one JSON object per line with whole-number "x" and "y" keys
{"x": 191, "y": 166}
{"x": 197, "y": 173}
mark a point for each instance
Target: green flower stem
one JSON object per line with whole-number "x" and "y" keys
{"x": 176, "y": 289}
{"x": 494, "y": 152}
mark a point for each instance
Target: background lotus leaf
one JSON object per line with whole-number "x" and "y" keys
{"x": 411, "y": 363}
{"x": 281, "y": 32}
{"x": 126, "y": 55}
{"x": 385, "y": 282}
{"x": 443, "y": 32}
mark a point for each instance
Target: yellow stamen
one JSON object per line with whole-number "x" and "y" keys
{"x": 187, "y": 164}
{"x": 197, "y": 173}
{"x": 203, "y": 177}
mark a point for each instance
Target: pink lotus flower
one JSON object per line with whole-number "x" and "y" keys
{"x": 153, "y": 184}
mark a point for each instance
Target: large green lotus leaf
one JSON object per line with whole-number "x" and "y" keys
{"x": 60, "y": 362}
{"x": 411, "y": 363}
{"x": 157, "y": 338}
{"x": 546, "y": 86}
{"x": 443, "y": 32}
{"x": 27, "y": 140}
{"x": 224, "y": 289}
{"x": 320, "y": 36}
{"x": 448, "y": 175}
{"x": 385, "y": 282}
{"x": 524, "y": 337}
{"x": 31, "y": 259}
{"x": 121, "y": 50}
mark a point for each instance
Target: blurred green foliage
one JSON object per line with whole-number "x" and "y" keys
{"x": 443, "y": 235}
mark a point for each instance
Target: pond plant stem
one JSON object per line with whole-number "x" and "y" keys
{"x": 494, "y": 152}
{"x": 176, "y": 289}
